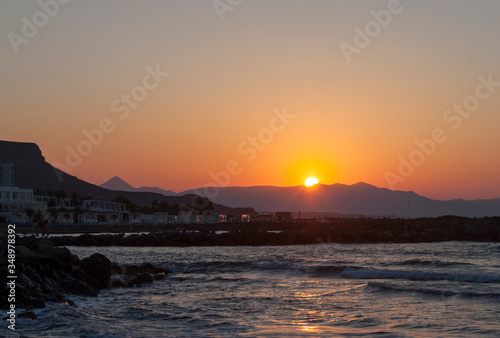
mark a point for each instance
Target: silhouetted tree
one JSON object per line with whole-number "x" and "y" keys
{"x": 61, "y": 194}
{"x": 76, "y": 202}
{"x": 176, "y": 208}
{"x": 37, "y": 217}
{"x": 53, "y": 213}
{"x": 202, "y": 203}
{"x": 145, "y": 209}
{"x": 39, "y": 192}
{"x": 29, "y": 212}
{"x": 159, "y": 207}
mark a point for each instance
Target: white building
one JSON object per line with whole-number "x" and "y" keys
{"x": 103, "y": 206}
{"x": 14, "y": 201}
{"x": 95, "y": 212}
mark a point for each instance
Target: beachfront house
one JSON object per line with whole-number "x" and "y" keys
{"x": 103, "y": 213}
{"x": 184, "y": 216}
{"x": 136, "y": 218}
{"x": 15, "y": 201}
{"x": 160, "y": 218}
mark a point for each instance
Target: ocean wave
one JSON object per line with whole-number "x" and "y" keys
{"x": 340, "y": 270}
{"x": 357, "y": 272}
{"x": 373, "y": 273}
{"x": 207, "y": 266}
{"x": 430, "y": 291}
{"x": 421, "y": 262}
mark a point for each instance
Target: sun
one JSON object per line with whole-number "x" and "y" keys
{"x": 311, "y": 181}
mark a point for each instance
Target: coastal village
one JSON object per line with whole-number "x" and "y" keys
{"x": 28, "y": 207}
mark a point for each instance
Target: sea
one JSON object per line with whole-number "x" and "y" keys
{"x": 446, "y": 289}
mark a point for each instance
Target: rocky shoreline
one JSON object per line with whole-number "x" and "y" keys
{"x": 46, "y": 273}
{"x": 342, "y": 230}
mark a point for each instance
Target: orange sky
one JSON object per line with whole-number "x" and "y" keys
{"x": 353, "y": 121}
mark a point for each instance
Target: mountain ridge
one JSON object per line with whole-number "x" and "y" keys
{"x": 359, "y": 198}
{"x": 32, "y": 171}
{"x": 116, "y": 183}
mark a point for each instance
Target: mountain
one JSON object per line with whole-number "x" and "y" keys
{"x": 32, "y": 171}
{"x": 116, "y": 183}
{"x": 360, "y": 198}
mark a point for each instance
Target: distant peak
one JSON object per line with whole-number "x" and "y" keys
{"x": 116, "y": 183}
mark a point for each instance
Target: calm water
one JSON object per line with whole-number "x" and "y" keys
{"x": 447, "y": 289}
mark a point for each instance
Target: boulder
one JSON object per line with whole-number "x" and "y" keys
{"x": 116, "y": 269}
{"x": 142, "y": 278}
{"x": 27, "y": 314}
{"x": 159, "y": 276}
{"x": 97, "y": 266}
{"x": 23, "y": 251}
{"x": 90, "y": 281}
{"x": 387, "y": 236}
{"x": 61, "y": 254}
{"x": 44, "y": 245}
{"x": 119, "y": 283}
{"x": 77, "y": 287}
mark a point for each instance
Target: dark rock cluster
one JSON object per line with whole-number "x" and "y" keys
{"x": 46, "y": 273}
{"x": 339, "y": 230}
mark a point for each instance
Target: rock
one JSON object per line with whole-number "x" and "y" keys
{"x": 116, "y": 269}
{"x": 97, "y": 266}
{"x": 387, "y": 236}
{"x": 135, "y": 269}
{"x": 27, "y": 314}
{"x": 132, "y": 270}
{"x": 23, "y": 251}
{"x": 90, "y": 281}
{"x": 159, "y": 276}
{"x": 47, "y": 273}
{"x": 61, "y": 254}
{"x": 78, "y": 287}
{"x": 44, "y": 245}
{"x": 142, "y": 278}
{"x": 119, "y": 283}
{"x": 86, "y": 240}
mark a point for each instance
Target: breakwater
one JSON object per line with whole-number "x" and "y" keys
{"x": 341, "y": 230}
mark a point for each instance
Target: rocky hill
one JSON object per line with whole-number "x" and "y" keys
{"x": 32, "y": 171}
{"x": 356, "y": 199}
{"x": 116, "y": 183}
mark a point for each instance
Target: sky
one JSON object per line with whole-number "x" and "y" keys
{"x": 403, "y": 95}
